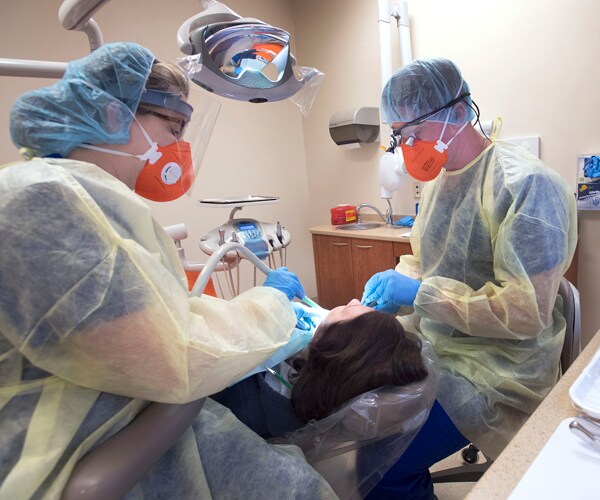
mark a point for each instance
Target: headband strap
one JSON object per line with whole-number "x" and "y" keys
{"x": 167, "y": 100}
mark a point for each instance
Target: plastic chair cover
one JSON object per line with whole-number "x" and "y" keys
{"x": 354, "y": 447}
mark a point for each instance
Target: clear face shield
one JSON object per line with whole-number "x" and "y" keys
{"x": 177, "y": 172}
{"x": 170, "y": 167}
{"x": 191, "y": 122}
{"x": 200, "y": 128}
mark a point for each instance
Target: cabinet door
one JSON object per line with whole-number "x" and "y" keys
{"x": 370, "y": 257}
{"x": 401, "y": 248}
{"x": 333, "y": 265}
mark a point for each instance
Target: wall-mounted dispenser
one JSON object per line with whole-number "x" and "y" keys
{"x": 352, "y": 127}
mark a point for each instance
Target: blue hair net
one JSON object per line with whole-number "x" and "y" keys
{"x": 422, "y": 87}
{"x": 93, "y": 102}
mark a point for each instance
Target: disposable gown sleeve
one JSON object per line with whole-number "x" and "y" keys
{"x": 533, "y": 244}
{"x": 410, "y": 265}
{"x": 93, "y": 306}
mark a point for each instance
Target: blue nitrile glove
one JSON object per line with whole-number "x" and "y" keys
{"x": 591, "y": 167}
{"x": 304, "y": 320}
{"x": 407, "y": 221}
{"x": 285, "y": 281}
{"x": 389, "y": 290}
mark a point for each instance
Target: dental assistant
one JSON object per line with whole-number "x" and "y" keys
{"x": 95, "y": 317}
{"x": 495, "y": 233}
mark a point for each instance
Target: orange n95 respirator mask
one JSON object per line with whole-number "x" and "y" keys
{"x": 424, "y": 160}
{"x": 168, "y": 172}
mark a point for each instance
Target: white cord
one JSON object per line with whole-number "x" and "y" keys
{"x": 237, "y": 273}
{"x": 219, "y": 285}
{"x": 234, "y": 291}
{"x": 227, "y": 272}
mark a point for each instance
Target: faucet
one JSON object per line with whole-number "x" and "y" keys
{"x": 387, "y": 218}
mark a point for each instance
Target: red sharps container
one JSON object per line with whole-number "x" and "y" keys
{"x": 343, "y": 214}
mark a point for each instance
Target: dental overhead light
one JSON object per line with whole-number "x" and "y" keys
{"x": 241, "y": 58}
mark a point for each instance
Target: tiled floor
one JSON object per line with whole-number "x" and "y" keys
{"x": 451, "y": 491}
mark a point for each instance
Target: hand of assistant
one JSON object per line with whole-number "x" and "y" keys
{"x": 285, "y": 281}
{"x": 304, "y": 320}
{"x": 388, "y": 290}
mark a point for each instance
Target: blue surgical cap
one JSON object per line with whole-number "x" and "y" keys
{"x": 422, "y": 87}
{"x": 93, "y": 103}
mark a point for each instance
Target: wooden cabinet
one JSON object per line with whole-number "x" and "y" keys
{"x": 333, "y": 265}
{"x": 343, "y": 265}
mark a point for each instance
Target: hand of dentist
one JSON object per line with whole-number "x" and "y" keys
{"x": 304, "y": 319}
{"x": 285, "y": 281}
{"x": 388, "y": 290}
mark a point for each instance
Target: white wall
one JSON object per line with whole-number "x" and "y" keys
{"x": 341, "y": 38}
{"x": 535, "y": 63}
{"x": 255, "y": 148}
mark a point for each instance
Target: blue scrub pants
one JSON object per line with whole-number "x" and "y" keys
{"x": 259, "y": 407}
{"x": 409, "y": 477}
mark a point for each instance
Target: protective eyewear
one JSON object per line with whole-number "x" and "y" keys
{"x": 179, "y": 123}
{"x": 397, "y": 133}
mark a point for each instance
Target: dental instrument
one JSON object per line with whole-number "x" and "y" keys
{"x": 311, "y": 303}
{"x": 583, "y": 431}
{"x": 280, "y": 378}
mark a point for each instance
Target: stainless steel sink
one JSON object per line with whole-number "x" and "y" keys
{"x": 359, "y": 226}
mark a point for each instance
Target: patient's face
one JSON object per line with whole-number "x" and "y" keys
{"x": 342, "y": 313}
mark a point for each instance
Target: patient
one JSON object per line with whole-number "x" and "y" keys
{"x": 355, "y": 349}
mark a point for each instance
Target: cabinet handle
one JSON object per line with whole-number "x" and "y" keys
{"x": 339, "y": 244}
{"x": 364, "y": 246}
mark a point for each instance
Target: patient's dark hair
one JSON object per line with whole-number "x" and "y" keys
{"x": 350, "y": 357}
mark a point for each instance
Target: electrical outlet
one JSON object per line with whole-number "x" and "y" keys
{"x": 417, "y": 186}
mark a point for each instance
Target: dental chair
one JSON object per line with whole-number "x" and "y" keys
{"x": 472, "y": 470}
{"x": 113, "y": 468}
{"x": 351, "y": 448}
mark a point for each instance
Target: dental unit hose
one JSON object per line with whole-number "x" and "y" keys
{"x": 215, "y": 259}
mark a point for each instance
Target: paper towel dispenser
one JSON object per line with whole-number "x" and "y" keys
{"x": 355, "y": 126}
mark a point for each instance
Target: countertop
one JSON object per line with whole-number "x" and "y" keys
{"x": 512, "y": 464}
{"x": 397, "y": 233}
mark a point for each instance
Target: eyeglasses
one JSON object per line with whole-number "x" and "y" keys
{"x": 180, "y": 122}
{"x": 422, "y": 119}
